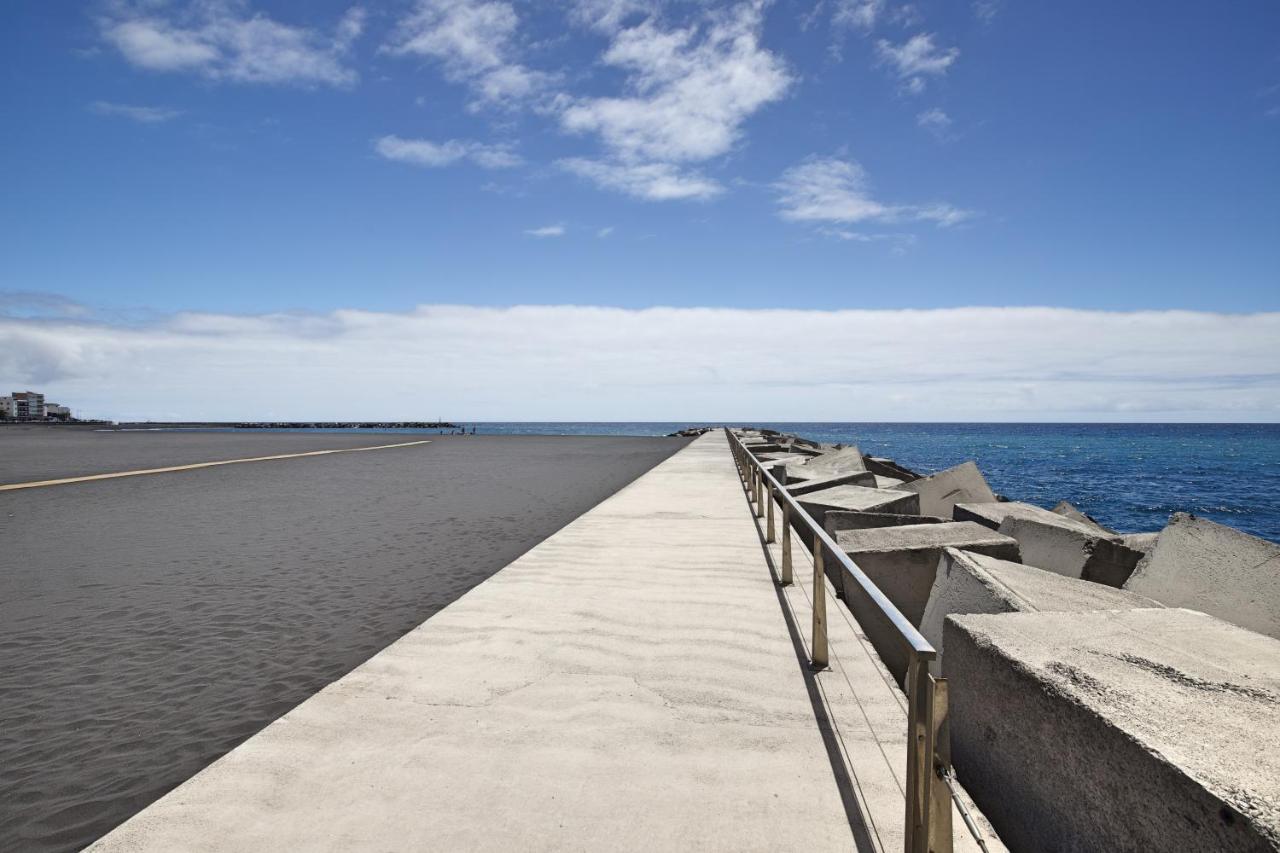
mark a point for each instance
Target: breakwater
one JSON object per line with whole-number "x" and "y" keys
{"x": 1147, "y": 664}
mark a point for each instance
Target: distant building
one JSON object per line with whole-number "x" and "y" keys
{"x": 53, "y": 411}
{"x": 23, "y": 406}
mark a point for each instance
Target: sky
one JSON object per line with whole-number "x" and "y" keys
{"x": 642, "y": 209}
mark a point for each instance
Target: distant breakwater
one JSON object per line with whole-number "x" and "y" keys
{"x": 290, "y": 425}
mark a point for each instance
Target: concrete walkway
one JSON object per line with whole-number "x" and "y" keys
{"x": 631, "y": 683}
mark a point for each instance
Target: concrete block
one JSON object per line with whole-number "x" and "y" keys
{"x": 887, "y": 482}
{"x": 855, "y": 478}
{"x": 903, "y": 562}
{"x": 1091, "y": 556}
{"x": 1211, "y": 567}
{"x": 858, "y": 498}
{"x": 940, "y": 492}
{"x": 883, "y": 467}
{"x": 1143, "y": 542}
{"x": 993, "y": 514}
{"x": 1069, "y": 510}
{"x": 968, "y": 582}
{"x": 837, "y": 520}
{"x": 831, "y": 464}
{"x": 1137, "y": 730}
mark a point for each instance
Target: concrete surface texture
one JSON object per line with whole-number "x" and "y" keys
{"x": 1210, "y": 567}
{"x": 993, "y": 514}
{"x": 1118, "y": 730}
{"x": 1143, "y": 542}
{"x": 628, "y": 684}
{"x": 940, "y": 492}
{"x": 1071, "y": 552}
{"x": 968, "y": 582}
{"x": 902, "y": 561}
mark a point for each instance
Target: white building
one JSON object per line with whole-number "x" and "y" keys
{"x": 23, "y": 406}
{"x": 53, "y": 410}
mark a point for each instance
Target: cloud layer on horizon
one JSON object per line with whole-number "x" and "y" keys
{"x": 597, "y": 363}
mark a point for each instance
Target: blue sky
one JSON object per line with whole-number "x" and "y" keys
{"x": 253, "y": 159}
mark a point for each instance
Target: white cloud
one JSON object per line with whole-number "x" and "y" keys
{"x": 936, "y": 122}
{"x": 423, "y": 152}
{"x": 857, "y": 14}
{"x": 587, "y": 363}
{"x": 689, "y": 90}
{"x": 986, "y": 10}
{"x": 604, "y": 232}
{"x": 610, "y": 15}
{"x": 647, "y": 181}
{"x": 687, "y": 93}
{"x": 546, "y": 231}
{"x": 142, "y": 115}
{"x": 223, "y": 40}
{"x": 917, "y": 58}
{"x": 475, "y": 42}
{"x": 833, "y": 190}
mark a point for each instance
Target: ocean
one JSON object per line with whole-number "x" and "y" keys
{"x": 1130, "y": 477}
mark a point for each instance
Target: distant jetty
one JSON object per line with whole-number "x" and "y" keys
{"x": 289, "y": 425}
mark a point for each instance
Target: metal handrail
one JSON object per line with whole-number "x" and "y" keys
{"x": 928, "y": 800}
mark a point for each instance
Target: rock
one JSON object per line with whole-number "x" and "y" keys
{"x": 1211, "y": 567}
{"x": 968, "y": 582}
{"x": 940, "y": 492}
{"x": 1143, "y": 730}
{"x": 902, "y": 561}
{"x": 1074, "y": 553}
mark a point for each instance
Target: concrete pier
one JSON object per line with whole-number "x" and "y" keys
{"x": 636, "y": 681}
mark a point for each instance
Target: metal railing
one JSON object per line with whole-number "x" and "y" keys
{"x": 928, "y": 794}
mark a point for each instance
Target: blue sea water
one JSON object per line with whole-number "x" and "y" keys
{"x": 1128, "y": 476}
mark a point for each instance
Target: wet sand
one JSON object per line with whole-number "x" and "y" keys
{"x": 150, "y": 624}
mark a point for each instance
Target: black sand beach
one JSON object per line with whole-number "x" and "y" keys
{"x": 149, "y": 624}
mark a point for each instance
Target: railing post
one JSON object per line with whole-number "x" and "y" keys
{"x": 919, "y": 755}
{"x": 940, "y": 837}
{"x": 786, "y": 544}
{"x": 819, "y": 654}
{"x": 769, "y": 534}
{"x": 759, "y": 491}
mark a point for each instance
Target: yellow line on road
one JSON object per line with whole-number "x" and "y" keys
{"x": 38, "y": 483}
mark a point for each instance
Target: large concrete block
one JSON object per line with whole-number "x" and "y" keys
{"x": 968, "y": 582}
{"x": 1091, "y": 556}
{"x": 1070, "y": 510}
{"x": 858, "y": 498}
{"x": 854, "y": 478}
{"x": 993, "y": 514}
{"x": 837, "y": 520}
{"x": 1211, "y": 567}
{"x": 833, "y": 463}
{"x": 940, "y": 492}
{"x": 1142, "y": 730}
{"x": 903, "y": 561}
{"x": 882, "y": 467}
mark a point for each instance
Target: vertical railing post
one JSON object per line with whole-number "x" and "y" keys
{"x": 819, "y": 653}
{"x": 759, "y": 490}
{"x": 940, "y": 837}
{"x": 769, "y": 533}
{"x": 919, "y": 755}
{"x": 786, "y": 543}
